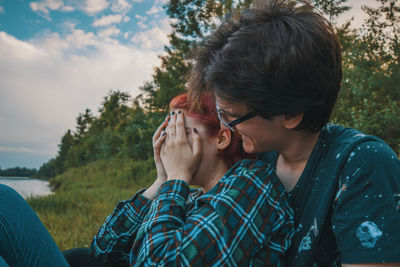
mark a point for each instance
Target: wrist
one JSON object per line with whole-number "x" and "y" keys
{"x": 186, "y": 178}
{"x": 161, "y": 180}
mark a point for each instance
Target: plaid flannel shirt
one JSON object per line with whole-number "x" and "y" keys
{"x": 245, "y": 220}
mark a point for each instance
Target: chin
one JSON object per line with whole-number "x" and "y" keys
{"x": 248, "y": 149}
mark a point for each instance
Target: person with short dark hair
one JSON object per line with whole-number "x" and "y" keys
{"x": 275, "y": 71}
{"x": 239, "y": 215}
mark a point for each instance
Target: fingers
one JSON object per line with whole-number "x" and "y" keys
{"x": 160, "y": 129}
{"x": 171, "y": 126}
{"x": 180, "y": 126}
{"x": 158, "y": 143}
{"x": 196, "y": 143}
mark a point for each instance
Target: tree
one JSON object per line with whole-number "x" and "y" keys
{"x": 369, "y": 99}
{"x": 83, "y": 123}
{"x": 332, "y": 8}
{"x": 370, "y": 95}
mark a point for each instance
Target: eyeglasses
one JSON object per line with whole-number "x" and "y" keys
{"x": 231, "y": 124}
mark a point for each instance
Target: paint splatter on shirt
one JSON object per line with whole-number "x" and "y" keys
{"x": 350, "y": 192}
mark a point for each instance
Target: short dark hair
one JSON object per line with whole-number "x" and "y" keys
{"x": 278, "y": 57}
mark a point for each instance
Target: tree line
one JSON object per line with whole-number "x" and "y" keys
{"x": 18, "y": 172}
{"x": 369, "y": 99}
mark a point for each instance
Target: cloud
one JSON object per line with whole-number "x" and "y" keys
{"x": 154, "y": 10}
{"x": 67, "y": 8}
{"x": 63, "y": 74}
{"x": 107, "y": 20}
{"x": 108, "y": 32}
{"x": 92, "y": 7}
{"x": 142, "y": 21}
{"x": 121, "y": 6}
{"x": 46, "y": 5}
{"x": 157, "y": 7}
{"x": 155, "y": 38}
{"x": 110, "y": 19}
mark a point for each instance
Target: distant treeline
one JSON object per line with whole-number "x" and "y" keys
{"x": 18, "y": 172}
{"x": 369, "y": 99}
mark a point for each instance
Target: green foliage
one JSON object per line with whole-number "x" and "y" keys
{"x": 370, "y": 96}
{"x": 86, "y": 195}
{"x": 123, "y": 130}
{"x": 369, "y": 99}
{"x": 332, "y": 8}
{"x": 18, "y": 172}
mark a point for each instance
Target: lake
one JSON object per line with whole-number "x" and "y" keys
{"x": 27, "y": 187}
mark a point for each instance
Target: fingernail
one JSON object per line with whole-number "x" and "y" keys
{"x": 195, "y": 130}
{"x": 173, "y": 112}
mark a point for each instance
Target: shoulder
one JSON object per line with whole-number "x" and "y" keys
{"x": 343, "y": 137}
{"x": 347, "y": 147}
{"x": 250, "y": 170}
{"x": 252, "y": 175}
{"x": 372, "y": 157}
{"x": 371, "y": 153}
{"x": 249, "y": 185}
{"x": 369, "y": 166}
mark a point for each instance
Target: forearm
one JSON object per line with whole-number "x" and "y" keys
{"x": 114, "y": 239}
{"x": 174, "y": 235}
{"x": 160, "y": 235}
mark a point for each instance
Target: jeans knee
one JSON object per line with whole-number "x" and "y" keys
{"x": 9, "y": 195}
{"x": 6, "y": 190}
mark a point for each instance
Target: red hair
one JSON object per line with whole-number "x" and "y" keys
{"x": 207, "y": 115}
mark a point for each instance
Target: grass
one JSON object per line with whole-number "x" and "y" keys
{"x": 85, "y": 196}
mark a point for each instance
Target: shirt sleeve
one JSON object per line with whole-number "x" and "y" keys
{"x": 366, "y": 214}
{"x": 236, "y": 224}
{"x": 114, "y": 240}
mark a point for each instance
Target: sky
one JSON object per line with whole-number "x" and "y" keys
{"x": 59, "y": 57}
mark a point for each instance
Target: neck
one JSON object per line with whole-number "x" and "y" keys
{"x": 294, "y": 157}
{"x": 216, "y": 173}
{"x": 299, "y": 147}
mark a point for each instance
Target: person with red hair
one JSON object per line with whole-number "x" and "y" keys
{"x": 239, "y": 215}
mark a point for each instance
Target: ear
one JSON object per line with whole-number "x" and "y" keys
{"x": 292, "y": 121}
{"x": 223, "y": 138}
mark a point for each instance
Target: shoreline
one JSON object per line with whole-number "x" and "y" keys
{"x": 28, "y": 187}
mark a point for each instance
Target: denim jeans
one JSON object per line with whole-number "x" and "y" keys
{"x": 24, "y": 241}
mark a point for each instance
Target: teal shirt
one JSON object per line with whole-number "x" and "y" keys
{"x": 346, "y": 202}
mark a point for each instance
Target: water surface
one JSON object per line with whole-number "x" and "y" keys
{"x": 27, "y": 187}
